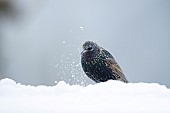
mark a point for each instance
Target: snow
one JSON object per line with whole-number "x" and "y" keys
{"x": 81, "y": 27}
{"x": 108, "y": 97}
{"x": 64, "y": 42}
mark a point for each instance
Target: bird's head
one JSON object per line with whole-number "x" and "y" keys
{"x": 90, "y": 47}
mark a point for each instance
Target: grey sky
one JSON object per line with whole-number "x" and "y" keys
{"x": 44, "y": 45}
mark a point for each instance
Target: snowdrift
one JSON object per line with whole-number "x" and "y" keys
{"x": 108, "y": 97}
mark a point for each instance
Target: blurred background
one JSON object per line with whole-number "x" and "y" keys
{"x": 41, "y": 41}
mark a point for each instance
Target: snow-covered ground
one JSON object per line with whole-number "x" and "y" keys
{"x": 108, "y": 97}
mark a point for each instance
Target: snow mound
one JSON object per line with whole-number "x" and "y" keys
{"x": 108, "y": 97}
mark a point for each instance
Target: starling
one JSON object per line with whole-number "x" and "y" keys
{"x": 99, "y": 65}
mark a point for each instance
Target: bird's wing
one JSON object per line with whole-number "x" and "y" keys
{"x": 116, "y": 68}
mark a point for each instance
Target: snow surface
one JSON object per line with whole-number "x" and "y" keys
{"x": 108, "y": 97}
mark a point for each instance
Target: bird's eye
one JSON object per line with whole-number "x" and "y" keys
{"x": 90, "y": 48}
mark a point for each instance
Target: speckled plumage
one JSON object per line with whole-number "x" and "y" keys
{"x": 99, "y": 64}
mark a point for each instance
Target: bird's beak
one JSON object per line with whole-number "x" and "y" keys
{"x": 83, "y": 51}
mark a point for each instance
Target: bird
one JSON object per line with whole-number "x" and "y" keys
{"x": 99, "y": 65}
